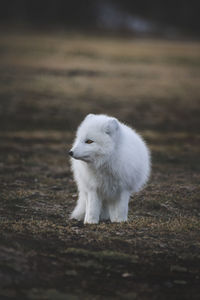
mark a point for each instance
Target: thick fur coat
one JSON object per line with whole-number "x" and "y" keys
{"x": 110, "y": 161}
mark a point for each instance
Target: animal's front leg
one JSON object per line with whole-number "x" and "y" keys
{"x": 79, "y": 211}
{"x": 93, "y": 208}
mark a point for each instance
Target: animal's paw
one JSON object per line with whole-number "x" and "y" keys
{"x": 119, "y": 219}
{"x": 91, "y": 220}
{"x": 77, "y": 215}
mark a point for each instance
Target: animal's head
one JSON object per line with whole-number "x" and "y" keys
{"x": 96, "y": 139}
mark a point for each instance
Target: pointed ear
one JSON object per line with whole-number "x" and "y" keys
{"x": 89, "y": 116}
{"x": 112, "y": 126}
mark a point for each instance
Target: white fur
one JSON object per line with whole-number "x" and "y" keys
{"x": 108, "y": 170}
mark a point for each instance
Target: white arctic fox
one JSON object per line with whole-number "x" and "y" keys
{"x": 110, "y": 161}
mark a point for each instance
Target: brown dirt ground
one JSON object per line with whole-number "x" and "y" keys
{"x": 48, "y": 83}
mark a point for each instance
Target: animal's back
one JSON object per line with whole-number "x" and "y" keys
{"x": 133, "y": 159}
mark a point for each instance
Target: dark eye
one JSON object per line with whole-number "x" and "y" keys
{"x": 89, "y": 141}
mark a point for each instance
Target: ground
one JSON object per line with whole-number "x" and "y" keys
{"x": 48, "y": 83}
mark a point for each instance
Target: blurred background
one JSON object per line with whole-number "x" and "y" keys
{"x": 138, "y": 17}
{"x": 129, "y": 58}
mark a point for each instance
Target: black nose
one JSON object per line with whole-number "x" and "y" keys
{"x": 71, "y": 153}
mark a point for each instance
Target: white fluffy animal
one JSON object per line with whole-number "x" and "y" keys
{"x": 110, "y": 161}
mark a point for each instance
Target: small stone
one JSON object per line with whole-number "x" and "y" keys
{"x": 126, "y": 275}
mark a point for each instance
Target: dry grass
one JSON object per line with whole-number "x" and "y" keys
{"x": 48, "y": 84}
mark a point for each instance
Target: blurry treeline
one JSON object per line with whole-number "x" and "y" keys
{"x": 180, "y": 14}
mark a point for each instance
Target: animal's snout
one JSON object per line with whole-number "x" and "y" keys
{"x": 71, "y": 153}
